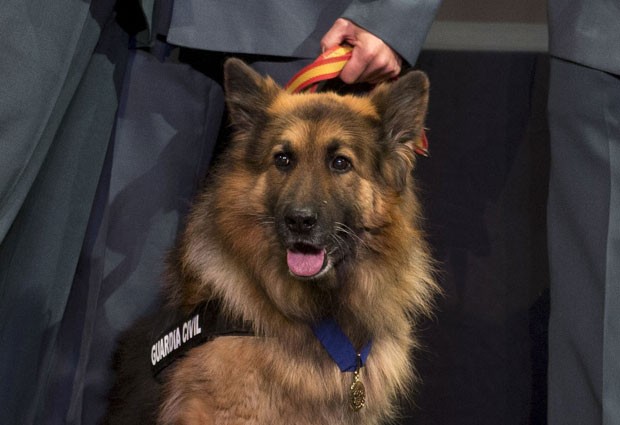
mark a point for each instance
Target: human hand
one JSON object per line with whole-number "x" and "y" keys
{"x": 372, "y": 60}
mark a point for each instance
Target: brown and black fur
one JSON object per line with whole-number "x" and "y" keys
{"x": 304, "y": 172}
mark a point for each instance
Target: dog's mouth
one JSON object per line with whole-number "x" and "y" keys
{"x": 307, "y": 261}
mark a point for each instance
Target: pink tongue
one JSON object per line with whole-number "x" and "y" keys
{"x": 305, "y": 264}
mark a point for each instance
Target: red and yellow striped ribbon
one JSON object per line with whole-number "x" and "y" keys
{"x": 327, "y": 66}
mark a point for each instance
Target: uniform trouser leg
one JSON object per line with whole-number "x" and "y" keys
{"x": 584, "y": 246}
{"x": 166, "y": 128}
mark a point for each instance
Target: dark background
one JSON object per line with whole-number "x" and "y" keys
{"x": 484, "y": 188}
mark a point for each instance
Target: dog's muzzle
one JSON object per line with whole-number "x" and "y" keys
{"x": 304, "y": 238}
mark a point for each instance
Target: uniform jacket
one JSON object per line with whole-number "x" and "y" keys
{"x": 294, "y": 28}
{"x": 586, "y": 32}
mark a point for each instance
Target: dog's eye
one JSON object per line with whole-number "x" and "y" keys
{"x": 282, "y": 160}
{"x": 341, "y": 164}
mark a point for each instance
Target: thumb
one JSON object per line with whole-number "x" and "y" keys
{"x": 337, "y": 34}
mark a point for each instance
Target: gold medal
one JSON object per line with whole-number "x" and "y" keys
{"x": 357, "y": 396}
{"x": 357, "y": 391}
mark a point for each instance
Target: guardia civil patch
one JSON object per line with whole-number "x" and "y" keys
{"x": 182, "y": 332}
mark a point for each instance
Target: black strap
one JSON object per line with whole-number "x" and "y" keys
{"x": 183, "y": 332}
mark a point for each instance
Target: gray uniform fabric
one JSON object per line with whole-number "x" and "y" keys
{"x": 586, "y": 32}
{"x": 294, "y": 28}
{"x": 60, "y": 70}
{"x": 584, "y": 213}
{"x": 157, "y": 158}
{"x": 90, "y": 201}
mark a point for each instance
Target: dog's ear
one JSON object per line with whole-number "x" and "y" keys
{"x": 248, "y": 94}
{"x": 402, "y": 106}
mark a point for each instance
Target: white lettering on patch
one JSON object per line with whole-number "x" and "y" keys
{"x": 175, "y": 339}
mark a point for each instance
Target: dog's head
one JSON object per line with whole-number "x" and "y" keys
{"x": 315, "y": 184}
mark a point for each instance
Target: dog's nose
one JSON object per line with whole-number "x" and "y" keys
{"x": 301, "y": 220}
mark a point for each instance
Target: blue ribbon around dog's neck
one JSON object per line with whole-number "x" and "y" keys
{"x": 338, "y": 345}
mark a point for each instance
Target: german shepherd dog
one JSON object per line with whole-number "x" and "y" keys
{"x": 309, "y": 234}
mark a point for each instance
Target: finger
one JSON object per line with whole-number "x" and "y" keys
{"x": 383, "y": 62}
{"x": 381, "y": 68}
{"x": 353, "y": 69}
{"x": 337, "y": 34}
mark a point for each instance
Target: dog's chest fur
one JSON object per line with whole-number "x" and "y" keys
{"x": 244, "y": 380}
